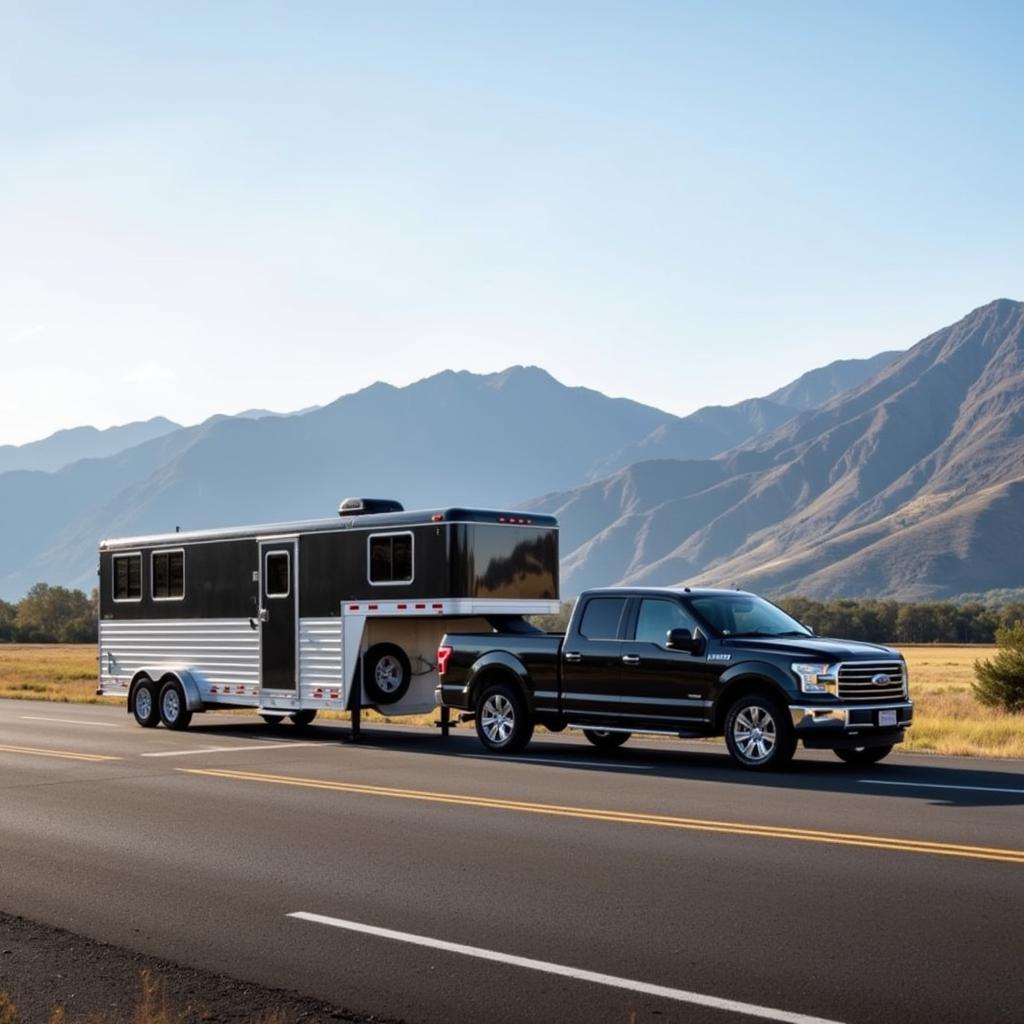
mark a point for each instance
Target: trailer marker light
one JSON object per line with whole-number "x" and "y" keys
{"x": 421, "y": 606}
{"x": 438, "y": 518}
{"x": 402, "y": 607}
{"x": 443, "y": 654}
{"x": 353, "y": 607}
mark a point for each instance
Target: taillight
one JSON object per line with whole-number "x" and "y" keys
{"x": 443, "y": 654}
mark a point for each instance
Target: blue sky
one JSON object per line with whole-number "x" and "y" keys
{"x": 208, "y": 207}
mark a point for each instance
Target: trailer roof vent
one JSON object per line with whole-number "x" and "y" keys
{"x": 368, "y": 506}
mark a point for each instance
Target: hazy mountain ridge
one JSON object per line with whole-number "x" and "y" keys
{"x": 906, "y": 485}
{"x": 67, "y": 446}
{"x": 454, "y": 438}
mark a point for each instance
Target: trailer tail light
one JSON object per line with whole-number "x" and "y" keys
{"x": 443, "y": 654}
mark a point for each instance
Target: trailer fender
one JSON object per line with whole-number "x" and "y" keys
{"x": 157, "y": 673}
{"x": 499, "y": 665}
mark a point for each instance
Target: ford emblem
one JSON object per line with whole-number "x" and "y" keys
{"x": 881, "y": 679}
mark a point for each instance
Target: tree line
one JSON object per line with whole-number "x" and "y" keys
{"x": 878, "y": 621}
{"x": 50, "y": 615}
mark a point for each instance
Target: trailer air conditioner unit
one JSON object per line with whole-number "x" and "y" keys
{"x": 368, "y": 506}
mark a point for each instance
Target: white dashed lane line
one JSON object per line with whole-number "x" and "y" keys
{"x": 69, "y": 721}
{"x": 228, "y": 750}
{"x": 677, "y": 995}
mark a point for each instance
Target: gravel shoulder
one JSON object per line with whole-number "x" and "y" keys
{"x": 42, "y": 968}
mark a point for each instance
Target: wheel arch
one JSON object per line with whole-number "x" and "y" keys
{"x": 742, "y": 681}
{"x": 498, "y": 667}
{"x": 159, "y": 675}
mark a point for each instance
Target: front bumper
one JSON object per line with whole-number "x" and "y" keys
{"x": 831, "y": 725}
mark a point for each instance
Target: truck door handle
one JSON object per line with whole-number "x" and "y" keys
{"x": 630, "y": 659}
{"x": 573, "y": 656}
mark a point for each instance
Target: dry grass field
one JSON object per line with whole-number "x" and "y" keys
{"x": 948, "y": 720}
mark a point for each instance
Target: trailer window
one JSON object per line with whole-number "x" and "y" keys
{"x": 278, "y": 574}
{"x": 168, "y": 575}
{"x": 127, "y": 571}
{"x": 390, "y": 558}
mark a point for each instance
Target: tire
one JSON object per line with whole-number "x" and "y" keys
{"x": 759, "y": 733}
{"x": 503, "y": 720}
{"x": 173, "y": 712}
{"x": 303, "y": 718}
{"x": 863, "y": 755}
{"x": 274, "y": 721}
{"x": 145, "y": 706}
{"x": 604, "y": 740}
{"x": 386, "y": 674}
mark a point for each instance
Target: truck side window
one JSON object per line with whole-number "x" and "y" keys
{"x": 601, "y": 618}
{"x": 657, "y": 617}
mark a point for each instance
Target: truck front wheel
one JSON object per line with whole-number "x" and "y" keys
{"x": 503, "y": 721}
{"x": 759, "y": 733}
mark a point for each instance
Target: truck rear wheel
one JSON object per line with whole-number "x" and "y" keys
{"x": 605, "y": 740}
{"x": 303, "y": 718}
{"x": 503, "y": 721}
{"x": 863, "y": 755}
{"x": 759, "y": 733}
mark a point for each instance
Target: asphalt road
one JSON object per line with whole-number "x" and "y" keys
{"x": 437, "y": 885}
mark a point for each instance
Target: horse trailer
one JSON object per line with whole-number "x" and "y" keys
{"x": 294, "y": 618}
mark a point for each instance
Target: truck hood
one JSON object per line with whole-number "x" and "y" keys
{"x": 811, "y": 648}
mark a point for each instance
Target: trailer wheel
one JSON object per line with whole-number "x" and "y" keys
{"x": 503, "y": 721}
{"x": 173, "y": 711}
{"x": 303, "y": 718}
{"x": 144, "y": 704}
{"x": 605, "y": 740}
{"x": 386, "y": 674}
{"x": 273, "y": 720}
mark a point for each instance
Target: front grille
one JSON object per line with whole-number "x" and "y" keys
{"x": 855, "y": 680}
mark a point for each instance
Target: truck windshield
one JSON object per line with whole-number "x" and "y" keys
{"x": 745, "y": 615}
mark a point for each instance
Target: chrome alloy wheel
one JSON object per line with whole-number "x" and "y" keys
{"x": 498, "y": 718}
{"x": 143, "y": 702}
{"x": 388, "y": 674}
{"x": 754, "y": 734}
{"x": 170, "y": 704}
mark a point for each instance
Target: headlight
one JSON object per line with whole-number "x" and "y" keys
{"x": 815, "y": 677}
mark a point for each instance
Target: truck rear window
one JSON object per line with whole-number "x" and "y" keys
{"x": 601, "y": 618}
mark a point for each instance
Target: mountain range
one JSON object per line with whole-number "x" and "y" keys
{"x": 909, "y": 484}
{"x": 899, "y": 475}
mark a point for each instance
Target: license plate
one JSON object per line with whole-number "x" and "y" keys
{"x": 887, "y": 718}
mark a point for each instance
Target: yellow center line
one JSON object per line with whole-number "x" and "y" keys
{"x": 632, "y": 818}
{"x": 68, "y": 755}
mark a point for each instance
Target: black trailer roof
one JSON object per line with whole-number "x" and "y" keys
{"x": 364, "y": 521}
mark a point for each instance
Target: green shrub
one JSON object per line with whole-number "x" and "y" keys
{"x": 1000, "y": 680}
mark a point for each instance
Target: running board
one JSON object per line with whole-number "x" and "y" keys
{"x": 594, "y": 727}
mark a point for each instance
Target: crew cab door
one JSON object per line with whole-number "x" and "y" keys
{"x": 661, "y": 687}
{"x": 592, "y": 657}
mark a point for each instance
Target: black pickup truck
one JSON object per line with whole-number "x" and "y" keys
{"x": 681, "y": 663}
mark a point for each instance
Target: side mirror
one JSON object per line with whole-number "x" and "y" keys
{"x": 682, "y": 640}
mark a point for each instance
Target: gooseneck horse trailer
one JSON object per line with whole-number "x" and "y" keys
{"x": 292, "y": 618}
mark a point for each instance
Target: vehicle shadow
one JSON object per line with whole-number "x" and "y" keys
{"x": 919, "y": 777}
